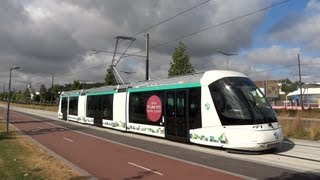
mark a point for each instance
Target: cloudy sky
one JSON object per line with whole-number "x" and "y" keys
{"x": 57, "y": 36}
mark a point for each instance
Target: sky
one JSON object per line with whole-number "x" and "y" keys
{"x": 60, "y": 37}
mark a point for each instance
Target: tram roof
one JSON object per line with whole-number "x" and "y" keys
{"x": 168, "y": 83}
{"x": 191, "y": 79}
{"x": 184, "y": 81}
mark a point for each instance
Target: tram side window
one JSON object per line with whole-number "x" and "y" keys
{"x": 195, "y": 108}
{"x": 180, "y": 105}
{"x": 73, "y": 106}
{"x": 170, "y": 105}
{"x": 100, "y": 106}
{"x": 107, "y": 106}
{"x": 90, "y": 106}
{"x": 64, "y": 104}
{"x": 94, "y": 108}
{"x": 137, "y": 107}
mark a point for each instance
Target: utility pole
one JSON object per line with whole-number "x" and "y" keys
{"x": 301, "y": 98}
{"x": 266, "y": 86}
{"x": 51, "y": 92}
{"x": 147, "y": 57}
{"x": 4, "y": 88}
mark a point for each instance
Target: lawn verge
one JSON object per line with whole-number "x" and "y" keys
{"x": 22, "y": 159}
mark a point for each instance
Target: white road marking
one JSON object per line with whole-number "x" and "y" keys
{"x": 156, "y": 172}
{"x": 70, "y": 140}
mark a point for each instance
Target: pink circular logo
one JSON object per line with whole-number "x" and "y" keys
{"x": 154, "y": 108}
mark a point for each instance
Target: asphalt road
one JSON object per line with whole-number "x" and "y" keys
{"x": 108, "y": 155}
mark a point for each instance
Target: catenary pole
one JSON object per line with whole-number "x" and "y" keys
{"x": 300, "y": 85}
{"x": 147, "y": 57}
{"x": 51, "y": 92}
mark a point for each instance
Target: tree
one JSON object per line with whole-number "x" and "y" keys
{"x": 3, "y": 96}
{"x": 43, "y": 93}
{"x": 53, "y": 93}
{"x": 181, "y": 62}
{"x": 13, "y": 95}
{"x": 287, "y": 86}
{"x": 76, "y": 85}
{"x": 26, "y": 95}
{"x": 16, "y": 96}
{"x": 110, "y": 79}
{"x": 57, "y": 89}
{"x": 36, "y": 97}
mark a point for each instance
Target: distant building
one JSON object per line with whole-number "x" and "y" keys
{"x": 271, "y": 88}
{"x": 310, "y": 96}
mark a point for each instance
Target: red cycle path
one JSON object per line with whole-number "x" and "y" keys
{"x": 107, "y": 160}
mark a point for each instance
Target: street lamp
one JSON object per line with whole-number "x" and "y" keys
{"x": 227, "y": 54}
{"x": 8, "y": 109}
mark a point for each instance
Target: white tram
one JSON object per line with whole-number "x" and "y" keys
{"x": 214, "y": 108}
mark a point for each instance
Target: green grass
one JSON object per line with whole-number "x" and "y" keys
{"x": 21, "y": 159}
{"x": 12, "y": 159}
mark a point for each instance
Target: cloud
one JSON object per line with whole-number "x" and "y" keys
{"x": 278, "y": 62}
{"x": 128, "y": 18}
{"x": 313, "y": 6}
{"x": 39, "y": 46}
{"x": 274, "y": 55}
{"x": 299, "y": 29}
{"x": 45, "y": 37}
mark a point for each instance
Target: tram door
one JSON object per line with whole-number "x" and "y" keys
{"x": 176, "y": 119}
{"x": 64, "y": 108}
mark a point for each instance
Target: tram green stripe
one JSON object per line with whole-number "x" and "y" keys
{"x": 152, "y": 88}
{"x": 165, "y": 87}
{"x": 89, "y": 93}
{"x": 100, "y": 93}
{"x": 71, "y": 95}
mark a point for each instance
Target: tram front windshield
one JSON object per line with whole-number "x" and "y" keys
{"x": 239, "y": 102}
